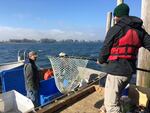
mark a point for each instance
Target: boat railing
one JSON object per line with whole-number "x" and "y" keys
{"x": 22, "y": 55}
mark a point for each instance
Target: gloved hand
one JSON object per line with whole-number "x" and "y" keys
{"x": 102, "y": 64}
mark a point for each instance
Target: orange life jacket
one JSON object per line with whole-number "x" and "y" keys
{"x": 48, "y": 74}
{"x": 126, "y": 47}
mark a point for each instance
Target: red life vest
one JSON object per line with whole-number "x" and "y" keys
{"x": 126, "y": 47}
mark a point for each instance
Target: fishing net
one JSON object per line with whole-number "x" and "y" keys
{"x": 66, "y": 73}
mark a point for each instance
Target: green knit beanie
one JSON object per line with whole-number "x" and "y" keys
{"x": 121, "y": 10}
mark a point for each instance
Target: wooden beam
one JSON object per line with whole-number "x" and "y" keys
{"x": 108, "y": 22}
{"x": 120, "y": 1}
{"x": 143, "y": 78}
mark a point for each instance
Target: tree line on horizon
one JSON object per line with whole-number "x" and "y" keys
{"x": 45, "y": 40}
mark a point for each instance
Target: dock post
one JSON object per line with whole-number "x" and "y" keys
{"x": 143, "y": 78}
{"x": 108, "y": 22}
{"x": 120, "y": 1}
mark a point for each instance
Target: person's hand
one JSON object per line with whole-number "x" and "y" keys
{"x": 101, "y": 64}
{"x": 104, "y": 64}
{"x": 41, "y": 69}
{"x": 97, "y": 62}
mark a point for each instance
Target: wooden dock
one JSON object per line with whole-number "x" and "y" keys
{"x": 89, "y": 104}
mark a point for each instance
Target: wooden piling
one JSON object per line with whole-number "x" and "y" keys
{"x": 108, "y": 22}
{"x": 143, "y": 78}
{"x": 120, "y": 1}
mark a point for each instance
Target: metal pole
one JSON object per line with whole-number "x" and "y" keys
{"x": 143, "y": 78}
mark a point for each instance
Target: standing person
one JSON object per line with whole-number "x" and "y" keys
{"x": 31, "y": 76}
{"x": 120, "y": 49}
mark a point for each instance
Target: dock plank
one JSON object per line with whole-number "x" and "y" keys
{"x": 89, "y": 104}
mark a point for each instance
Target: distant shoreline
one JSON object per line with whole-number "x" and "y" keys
{"x": 27, "y": 41}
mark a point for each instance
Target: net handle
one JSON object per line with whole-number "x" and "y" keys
{"x": 95, "y": 59}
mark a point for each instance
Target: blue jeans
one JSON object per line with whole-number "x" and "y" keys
{"x": 34, "y": 96}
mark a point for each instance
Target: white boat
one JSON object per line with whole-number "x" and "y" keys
{"x": 12, "y": 65}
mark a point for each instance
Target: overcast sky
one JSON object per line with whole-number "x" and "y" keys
{"x": 57, "y": 19}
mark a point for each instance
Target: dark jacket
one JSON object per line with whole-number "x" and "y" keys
{"x": 31, "y": 75}
{"x": 122, "y": 67}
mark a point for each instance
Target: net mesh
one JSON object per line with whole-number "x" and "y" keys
{"x": 66, "y": 73}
